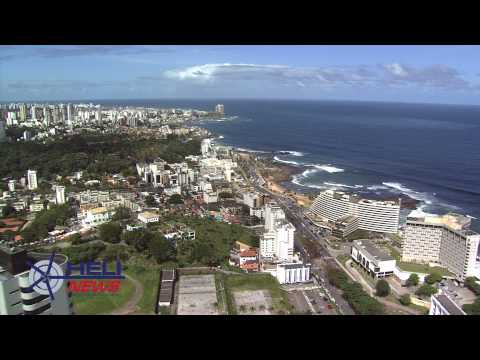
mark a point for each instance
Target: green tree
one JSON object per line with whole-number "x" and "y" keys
{"x": 110, "y": 232}
{"x": 8, "y": 210}
{"x": 383, "y": 288}
{"x": 472, "y": 309}
{"x": 122, "y": 213}
{"x": 160, "y": 248}
{"x": 426, "y": 290}
{"x": 175, "y": 199}
{"x": 75, "y": 239}
{"x": 412, "y": 280}
{"x": 150, "y": 201}
{"x": 433, "y": 278}
{"x": 471, "y": 283}
{"x": 405, "y": 299}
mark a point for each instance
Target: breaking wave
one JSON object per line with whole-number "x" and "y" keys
{"x": 293, "y": 153}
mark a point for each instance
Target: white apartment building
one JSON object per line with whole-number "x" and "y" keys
{"x": 16, "y": 297}
{"x": 442, "y": 304}
{"x": 11, "y": 185}
{"x": 60, "y": 194}
{"x": 273, "y": 212}
{"x": 379, "y": 216}
{"x": 32, "y": 179}
{"x": 98, "y": 216}
{"x": 148, "y": 217}
{"x": 277, "y": 243}
{"x": 377, "y": 263}
{"x": 446, "y": 240}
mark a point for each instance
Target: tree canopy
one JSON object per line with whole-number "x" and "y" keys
{"x": 110, "y": 232}
{"x": 383, "y": 288}
{"x": 412, "y": 280}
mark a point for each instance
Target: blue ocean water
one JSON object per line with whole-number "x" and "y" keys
{"x": 429, "y": 152}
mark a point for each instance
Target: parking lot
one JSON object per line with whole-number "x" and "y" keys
{"x": 197, "y": 295}
{"x": 310, "y": 301}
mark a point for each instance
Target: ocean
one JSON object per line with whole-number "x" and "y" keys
{"x": 428, "y": 152}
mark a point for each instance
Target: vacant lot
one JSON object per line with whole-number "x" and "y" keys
{"x": 197, "y": 295}
{"x": 253, "y": 302}
{"x": 250, "y": 284}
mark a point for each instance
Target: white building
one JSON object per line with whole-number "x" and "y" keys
{"x": 206, "y": 146}
{"x": 16, "y": 298}
{"x": 377, "y": 263}
{"x": 60, "y": 194}
{"x": 277, "y": 243}
{"x": 441, "y": 304}
{"x": 273, "y": 212}
{"x": 11, "y": 185}
{"x": 148, "y": 217}
{"x": 32, "y": 179}
{"x": 446, "y": 240}
{"x": 219, "y": 108}
{"x": 291, "y": 273}
{"x": 97, "y": 216}
{"x": 379, "y": 216}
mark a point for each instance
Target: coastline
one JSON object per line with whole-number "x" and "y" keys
{"x": 278, "y": 176}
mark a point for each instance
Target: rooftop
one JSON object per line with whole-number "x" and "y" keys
{"x": 449, "y": 305}
{"x": 372, "y": 251}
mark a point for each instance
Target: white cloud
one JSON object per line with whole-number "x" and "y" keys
{"x": 393, "y": 74}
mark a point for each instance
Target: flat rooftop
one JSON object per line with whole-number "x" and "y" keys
{"x": 372, "y": 251}
{"x": 449, "y": 305}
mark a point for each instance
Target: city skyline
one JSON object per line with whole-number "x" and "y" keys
{"x": 429, "y": 74}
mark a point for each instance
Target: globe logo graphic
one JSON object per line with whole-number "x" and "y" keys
{"x": 46, "y": 277}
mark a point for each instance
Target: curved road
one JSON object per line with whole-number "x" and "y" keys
{"x": 131, "y": 305}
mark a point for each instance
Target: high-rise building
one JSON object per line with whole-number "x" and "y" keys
{"x": 442, "y": 304}
{"x": 206, "y": 146}
{"x": 446, "y": 240}
{"x": 98, "y": 116}
{"x": 70, "y": 113}
{"x": 56, "y": 114}
{"x": 379, "y": 216}
{"x": 23, "y": 112}
{"x": 11, "y": 185}
{"x": 3, "y": 136}
{"x": 16, "y": 295}
{"x": 32, "y": 179}
{"x": 220, "y": 109}
{"x": 60, "y": 194}
{"x": 273, "y": 212}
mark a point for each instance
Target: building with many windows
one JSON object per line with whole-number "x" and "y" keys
{"x": 377, "y": 263}
{"x": 442, "y": 304}
{"x": 446, "y": 240}
{"x": 32, "y": 179}
{"x": 373, "y": 215}
{"x": 16, "y": 297}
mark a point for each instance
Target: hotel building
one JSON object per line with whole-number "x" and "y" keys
{"x": 379, "y": 216}
{"x": 446, "y": 240}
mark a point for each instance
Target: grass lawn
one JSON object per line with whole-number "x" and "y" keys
{"x": 254, "y": 282}
{"x": 343, "y": 258}
{"x": 149, "y": 278}
{"x": 102, "y": 303}
{"x": 413, "y": 267}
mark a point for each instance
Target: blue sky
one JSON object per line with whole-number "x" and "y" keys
{"x": 433, "y": 74}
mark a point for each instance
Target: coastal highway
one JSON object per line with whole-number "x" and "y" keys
{"x": 295, "y": 215}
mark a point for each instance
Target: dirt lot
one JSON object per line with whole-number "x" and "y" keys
{"x": 253, "y": 302}
{"x": 197, "y": 295}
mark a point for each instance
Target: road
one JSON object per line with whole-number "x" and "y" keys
{"x": 131, "y": 305}
{"x": 295, "y": 215}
